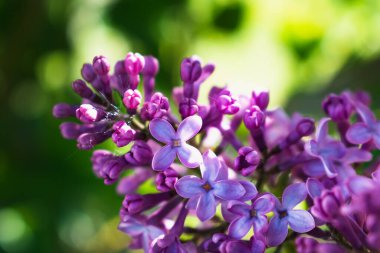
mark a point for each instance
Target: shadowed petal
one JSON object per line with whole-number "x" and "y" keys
{"x": 259, "y": 223}
{"x": 193, "y": 202}
{"x": 358, "y": 133}
{"x": 329, "y": 167}
{"x": 376, "y": 176}
{"x": 359, "y": 184}
{"x": 162, "y": 130}
{"x": 250, "y": 190}
{"x": 300, "y": 221}
{"x": 163, "y": 158}
{"x": 189, "y": 156}
{"x": 314, "y": 187}
{"x": 293, "y": 195}
{"x": 322, "y": 130}
{"x": 240, "y": 227}
{"x": 189, "y": 186}
{"x": 277, "y": 231}
{"x": 264, "y": 204}
{"x": 239, "y": 208}
{"x": 189, "y": 127}
{"x": 356, "y": 155}
{"x": 314, "y": 168}
{"x": 131, "y": 229}
{"x": 223, "y": 171}
{"x": 210, "y": 166}
{"x": 206, "y": 207}
{"x": 228, "y": 189}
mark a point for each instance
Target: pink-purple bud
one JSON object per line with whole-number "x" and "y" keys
{"x": 101, "y": 65}
{"x": 261, "y": 99}
{"x": 132, "y": 99}
{"x": 81, "y": 88}
{"x": 88, "y": 72}
{"x": 226, "y": 103}
{"x": 254, "y": 117}
{"x": 156, "y": 107}
{"x": 123, "y": 134}
{"x": 140, "y": 154}
{"x": 247, "y": 161}
{"x": 151, "y": 66}
{"x": 87, "y": 141}
{"x": 134, "y": 63}
{"x": 188, "y": 107}
{"x": 87, "y": 113}
{"x": 305, "y": 127}
{"x": 166, "y": 179}
{"x": 327, "y": 206}
{"x": 338, "y": 108}
{"x": 191, "y": 70}
{"x": 70, "y": 130}
{"x": 64, "y": 110}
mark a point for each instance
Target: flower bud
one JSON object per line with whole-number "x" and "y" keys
{"x": 70, "y": 130}
{"x": 134, "y": 63}
{"x": 156, "y": 107}
{"x": 327, "y": 206}
{"x": 132, "y": 99}
{"x": 87, "y": 141}
{"x": 123, "y": 134}
{"x": 261, "y": 99}
{"x": 112, "y": 169}
{"x": 151, "y": 66}
{"x": 64, "y": 110}
{"x": 88, "y": 72}
{"x": 166, "y": 179}
{"x": 254, "y": 118}
{"x": 140, "y": 154}
{"x": 87, "y": 113}
{"x": 226, "y": 103}
{"x": 338, "y": 108}
{"x": 305, "y": 127}
{"x": 81, "y": 88}
{"x": 191, "y": 70}
{"x": 101, "y": 65}
{"x": 99, "y": 158}
{"x": 247, "y": 161}
{"x": 188, "y": 107}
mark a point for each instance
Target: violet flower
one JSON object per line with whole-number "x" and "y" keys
{"x": 204, "y": 192}
{"x": 300, "y": 221}
{"x": 175, "y": 142}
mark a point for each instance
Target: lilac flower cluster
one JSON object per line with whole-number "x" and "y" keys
{"x": 290, "y": 181}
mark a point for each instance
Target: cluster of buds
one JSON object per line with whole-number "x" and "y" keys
{"x": 328, "y": 191}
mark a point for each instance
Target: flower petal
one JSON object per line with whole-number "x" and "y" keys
{"x": 250, "y": 190}
{"x": 189, "y": 186}
{"x": 264, "y": 204}
{"x": 239, "y": 208}
{"x": 259, "y": 223}
{"x": 189, "y": 127}
{"x": 356, "y": 155}
{"x": 228, "y": 189}
{"x": 359, "y": 184}
{"x": 314, "y": 168}
{"x": 294, "y": 194}
{"x": 189, "y": 156}
{"x": 277, "y": 231}
{"x": 210, "y": 166}
{"x": 322, "y": 130}
{"x": 193, "y": 202}
{"x": 314, "y": 187}
{"x": 329, "y": 167}
{"x": 163, "y": 158}
{"x": 240, "y": 227}
{"x": 206, "y": 207}
{"x": 358, "y": 133}
{"x": 162, "y": 130}
{"x": 223, "y": 171}
{"x": 301, "y": 221}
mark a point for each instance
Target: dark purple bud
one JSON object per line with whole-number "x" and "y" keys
{"x": 188, "y": 107}
{"x": 151, "y": 66}
{"x": 191, "y": 70}
{"x": 254, "y": 117}
{"x": 119, "y": 68}
{"x": 247, "y": 161}
{"x": 123, "y": 134}
{"x": 261, "y": 99}
{"x": 101, "y": 65}
{"x": 159, "y": 99}
{"x": 305, "y": 127}
{"x": 64, "y": 110}
{"x": 327, "y": 206}
{"x": 140, "y": 154}
{"x": 88, "y": 72}
{"x": 226, "y": 103}
{"x": 131, "y": 183}
{"x": 87, "y": 141}
{"x": 99, "y": 158}
{"x": 134, "y": 63}
{"x": 112, "y": 169}
{"x": 132, "y": 99}
{"x": 87, "y": 113}
{"x": 136, "y": 203}
{"x": 81, "y": 88}
{"x": 70, "y": 130}
{"x": 166, "y": 179}
{"x": 338, "y": 108}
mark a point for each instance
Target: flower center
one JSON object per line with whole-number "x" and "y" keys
{"x": 253, "y": 213}
{"x": 283, "y": 213}
{"x": 176, "y": 143}
{"x": 207, "y": 187}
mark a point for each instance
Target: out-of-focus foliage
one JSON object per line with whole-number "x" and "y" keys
{"x": 49, "y": 199}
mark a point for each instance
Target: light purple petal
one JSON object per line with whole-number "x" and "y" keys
{"x": 264, "y": 204}
{"x": 294, "y": 194}
{"x": 250, "y": 190}
{"x": 239, "y": 208}
{"x": 329, "y": 167}
{"x": 376, "y": 135}
{"x": 131, "y": 229}
{"x": 163, "y": 158}
{"x": 359, "y": 184}
{"x": 162, "y": 130}
{"x": 314, "y": 168}
{"x": 228, "y": 189}
{"x": 277, "y": 231}
{"x": 311, "y": 147}
{"x": 358, "y": 133}
{"x": 210, "y": 166}
{"x": 189, "y": 127}
{"x": 365, "y": 113}
{"x": 356, "y": 155}
{"x": 240, "y": 227}
{"x": 206, "y": 207}
{"x": 301, "y": 221}
{"x": 189, "y": 156}
{"x": 259, "y": 223}
{"x": 189, "y": 186}
{"x": 223, "y": 171}
{"x": 314, "y": 187}
{"x": 193, "y": 202}
{"x": 322, "y": 130}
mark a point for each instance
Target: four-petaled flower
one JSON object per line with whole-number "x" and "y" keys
{"x": 204, "y": 193}
{"x": 175, "y": 142}
{"x": 300, "y": 221}
{"x": 250, "y": 215}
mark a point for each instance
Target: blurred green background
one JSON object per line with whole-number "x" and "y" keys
{"x": 49, "y": 199}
